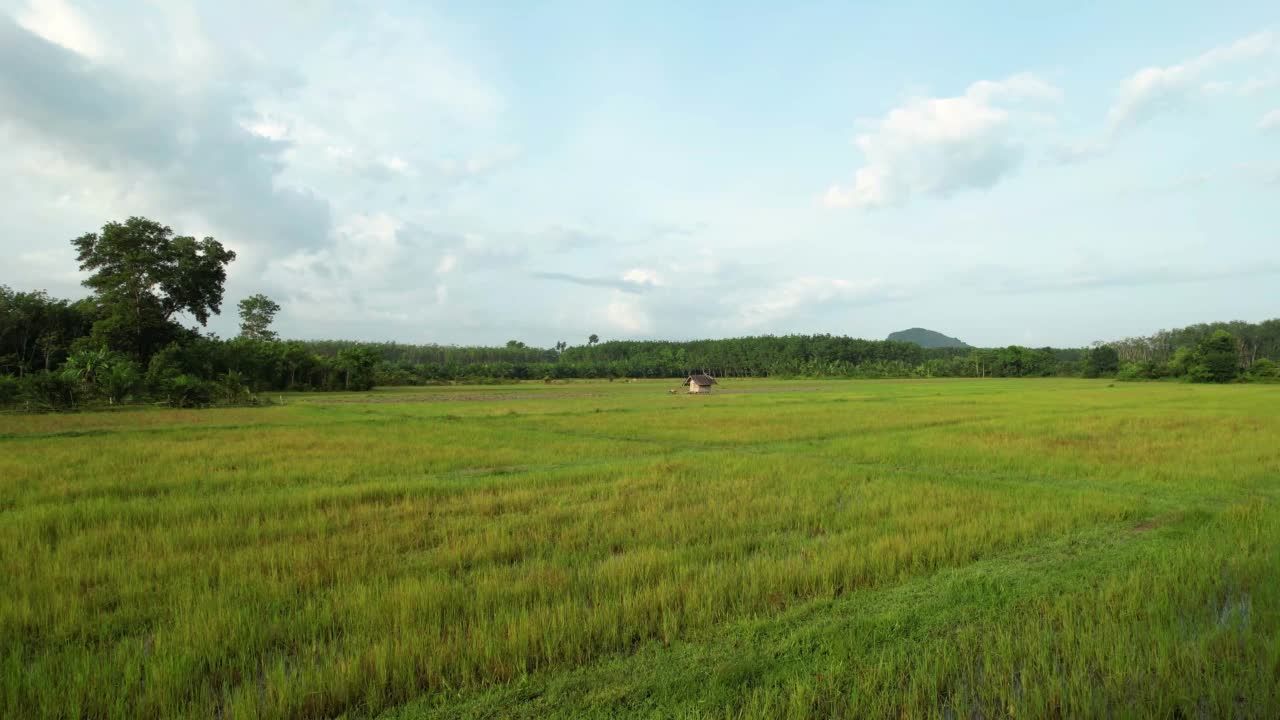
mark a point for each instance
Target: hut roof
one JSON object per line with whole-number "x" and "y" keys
{"x": 699, "y": 379}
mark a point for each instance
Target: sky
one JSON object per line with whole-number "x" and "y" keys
{"x": 477, "y": 172}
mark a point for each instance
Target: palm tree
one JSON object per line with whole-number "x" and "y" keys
{"x": 88, "y": 365}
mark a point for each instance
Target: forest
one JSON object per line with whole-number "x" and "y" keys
{"x": 126, "y": 342}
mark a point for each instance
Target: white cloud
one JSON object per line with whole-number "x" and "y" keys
{"x": 1023, "y": 86}
{"x": 61, "y": 24}
{"x": 481, "y": 163}
{"x": 642, "y": 277}
{"x": 396, "y": 163}
{"x": 267, "y": 128}
{"x": 939, "y": 146}
{"x": 1270, "y": 122}
{"x": 1153, "y": 90}
{"x": 1242, "y": 88}
{"x": 809, "y": 292}
{"x": 624, "y": 314}
{"x": 446, "y": 264}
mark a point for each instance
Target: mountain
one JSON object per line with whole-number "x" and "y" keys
{"x": 927, "y": 338}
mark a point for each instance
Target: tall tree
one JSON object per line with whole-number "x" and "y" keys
{"x": 1101, "y": 361}
{"x": 143, "y": 275}
{"x": 256, "y": 313}
{"x": 593, "y": 339}
{"x": 1216, "y": 359}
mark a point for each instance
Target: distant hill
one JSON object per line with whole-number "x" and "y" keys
{"x": 926, "y": 338}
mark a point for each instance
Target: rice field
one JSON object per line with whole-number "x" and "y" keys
{"x": 929, "y": 548}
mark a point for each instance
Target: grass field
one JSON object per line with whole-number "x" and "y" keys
{"x": 950, "y": 549}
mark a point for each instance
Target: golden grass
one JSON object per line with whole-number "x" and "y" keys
{"x": 337, "y": 556}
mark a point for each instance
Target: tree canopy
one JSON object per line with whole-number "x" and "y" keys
{"x": 143, "y": 275}
{"x": 256, "y": 315}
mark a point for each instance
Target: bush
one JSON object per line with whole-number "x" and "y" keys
{"x": 232, "y": 389}
{"x": 1180, "y": 364}
{"x": 8, "y": 390}
{"x": 48, "y": 391}
{"x": 1264, "y": 370}
{"x": 1216, "y": 360}
{"x": 1101, "y": 361}
{"x": 120, "y": 380}
{"x": 187, "y": 391}
{"x": 1137, "y": 371}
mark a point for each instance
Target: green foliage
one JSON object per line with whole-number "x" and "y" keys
{"x": 256, "y": 314}
{"x": 88, "y": 365}
{"x": 1181, "y": 361}
{"x": 187, "y": 391}
{"x": 232, "y": 389}
{"x": 1143, "y": 370}
{"x": 1216, "y": 359}
{"x": 357, "y": 366}
{"x": 1253, "y": 341}
{"x": 9, "y": 390}
{"x": 48, "y": 390}
{"x": 36, "y": 331}
{"x": 103, "y": 373}
{"x": 121, "y": 380}
{"x": 197, "y": 356}
{"x": 1265, "y": 370}
{"x": 1101, "y": 361}
{"x": 142, "y": 275}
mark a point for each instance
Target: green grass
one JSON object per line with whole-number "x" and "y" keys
{"x": 1022, "y": 548}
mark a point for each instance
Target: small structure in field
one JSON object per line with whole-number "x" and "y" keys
{"x": 699, "y": 383}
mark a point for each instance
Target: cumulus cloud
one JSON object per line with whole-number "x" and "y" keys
{"x": 1248, "y": 87}
{"x": 642, "y": 277}
{"x": 1270, "y": 122}
{"x": 811, "y": 293}
{"x": 1154, "y": 90}
{"x": 1157, "y": 90}
{"x": 940, "y": 146}
{"x": 385, "y": 271}
{"x": 447, "y": 263}
{"x": 625, "y": 315}
{"x": 190, "y": 154}
{"x": 61, "y": 24}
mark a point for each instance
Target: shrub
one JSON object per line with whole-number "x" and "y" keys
{"x": 231, "y": 387}
{"x": 187, "y": 391}
{"x": 8, "y": 390}
{"x": 1145, "y": 370}
{"x": 1180, "y": 364}
{"x": 48, "y": 391}
{"x": 119, "y": 380}
{"x": 1264, "y": 370}
{"x": 1101, "y": 361}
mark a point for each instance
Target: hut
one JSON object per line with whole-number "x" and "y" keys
{"x": 699, "y": 383}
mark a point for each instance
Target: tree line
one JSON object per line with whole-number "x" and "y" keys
{"x": 126, "y": 342}
{"x": 1215, "y": 357}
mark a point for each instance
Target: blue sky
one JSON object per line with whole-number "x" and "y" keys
{"x": 483, "y": 171}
